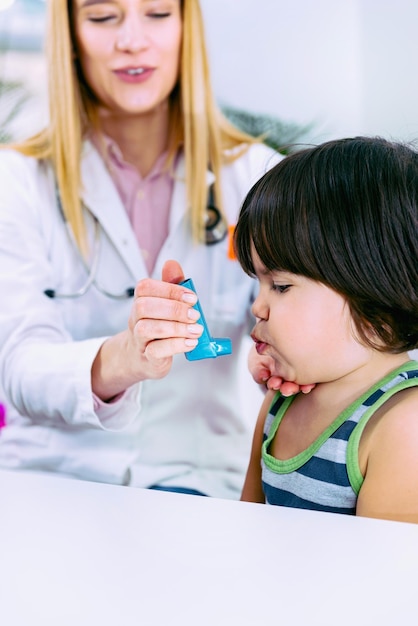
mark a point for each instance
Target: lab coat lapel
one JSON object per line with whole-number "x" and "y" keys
{"x": 101, "y": 197}
{"x": 179, "y": 236}
{"x": 179, "y": 200}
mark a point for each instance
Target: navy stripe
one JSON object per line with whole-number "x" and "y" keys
{"x": 373, "y": 398}
{"x": 325, "y": 471}
{"x": 277, "y": 404}
{"x": 278, "y": 497}
{"x": 344, "y": 431}
{"x": 318, "y": 478}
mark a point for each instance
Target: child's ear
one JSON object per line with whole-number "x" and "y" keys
{"x": 370, "y": 336}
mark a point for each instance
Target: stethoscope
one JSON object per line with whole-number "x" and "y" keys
{"x": 216, "y": 229}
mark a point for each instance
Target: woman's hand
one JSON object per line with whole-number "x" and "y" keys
{"x": 162, "y": 323}
{"x": 262, "y": 370}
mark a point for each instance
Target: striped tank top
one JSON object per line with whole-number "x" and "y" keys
{"x": 326, "y": 476}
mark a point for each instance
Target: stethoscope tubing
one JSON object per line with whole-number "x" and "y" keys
{"x": 90, "y": 271}
{"x": 216, "y": 231}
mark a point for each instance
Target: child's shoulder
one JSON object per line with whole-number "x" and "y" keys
{"x": 388, "y": 456}
{"x": 395, "y": 423}
{"x": 267, "y": 402}
{"x": 402, "y": 407}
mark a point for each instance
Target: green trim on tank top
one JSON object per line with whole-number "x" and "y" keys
{"x": 353, "y": 468}
{"x": 290, "y": 465}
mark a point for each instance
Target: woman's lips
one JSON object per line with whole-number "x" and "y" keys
{"x": 134, "y": 74}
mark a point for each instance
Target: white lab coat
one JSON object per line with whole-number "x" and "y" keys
{"x": 185, "y": 430}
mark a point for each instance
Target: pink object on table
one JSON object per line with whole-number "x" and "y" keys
{"x": 2, "y": 416}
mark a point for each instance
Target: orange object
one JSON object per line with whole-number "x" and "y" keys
{"x": 231, "y": 251}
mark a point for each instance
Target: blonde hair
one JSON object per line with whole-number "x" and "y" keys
{"x": 196, "y": 123}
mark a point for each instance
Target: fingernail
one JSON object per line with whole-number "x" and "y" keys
{"x": 191, "y": 298}
{"x": 191, "y": 342}
{"x": 195, "y": 328}
{"x": 193, "y": 314}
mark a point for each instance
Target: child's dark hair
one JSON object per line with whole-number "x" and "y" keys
{"x": 345, "y": 214}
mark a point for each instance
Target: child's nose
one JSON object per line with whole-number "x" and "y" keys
{"x": 259, "y": 308}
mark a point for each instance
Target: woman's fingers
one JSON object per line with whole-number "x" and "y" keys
{"x": 159, "y": 349}
{"x": 158, "y": 308}
{"x": 172, "y": 272}
{"x": 149, "y": 287}
{"x": 150, "y": 329}
{"x": 163, "y": 320}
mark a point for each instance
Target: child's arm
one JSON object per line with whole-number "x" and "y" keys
{"x": 252, "y": 490}
{"x": 390, "y": 488}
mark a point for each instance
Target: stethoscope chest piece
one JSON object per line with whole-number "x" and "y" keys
{"x": 216, "y": 227}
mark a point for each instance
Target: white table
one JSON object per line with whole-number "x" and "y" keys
{"x": 75, "y": 553}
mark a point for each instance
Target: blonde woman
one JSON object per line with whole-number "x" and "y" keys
{"x": 136, "y": 167}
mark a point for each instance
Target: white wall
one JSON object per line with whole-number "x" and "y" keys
{"x": 30, "y": 69}
{"x": 389, "y": 56}
{"x": 348, "y": 66}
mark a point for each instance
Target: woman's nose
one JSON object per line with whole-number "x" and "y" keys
{"x": 131, "y": 35}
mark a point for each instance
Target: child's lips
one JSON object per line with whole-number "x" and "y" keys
{"x": 260, "y": 345}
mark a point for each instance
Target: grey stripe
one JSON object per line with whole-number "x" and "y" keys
{"x": 333, "y": 450}
{"x": 268, "y": 423}
{"x": 311, "y": 489}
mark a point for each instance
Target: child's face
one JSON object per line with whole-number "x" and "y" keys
{"x": 305, "y": 326}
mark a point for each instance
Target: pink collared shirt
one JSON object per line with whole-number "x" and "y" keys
{"x": 147, "y": 200}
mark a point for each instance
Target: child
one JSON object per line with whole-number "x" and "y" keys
{"x": 331, "y": 233}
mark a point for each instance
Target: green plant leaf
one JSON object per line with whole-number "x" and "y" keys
{"x": 281, "y": 136}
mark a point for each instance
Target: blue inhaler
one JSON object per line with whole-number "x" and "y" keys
{"x": 208, "y": 347}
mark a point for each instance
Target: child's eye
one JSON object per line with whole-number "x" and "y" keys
{"x": 280, "y": 288}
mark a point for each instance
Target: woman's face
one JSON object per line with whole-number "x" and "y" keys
{"x": 129, "y": 51}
